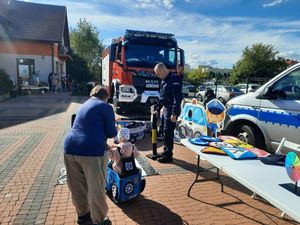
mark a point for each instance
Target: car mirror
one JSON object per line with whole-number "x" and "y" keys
{"x": 267, "y": 93}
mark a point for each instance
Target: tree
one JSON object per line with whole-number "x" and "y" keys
{"x": 195, "y": 76}
{"x": 258, "y": 61}
{"x": 86, "y": 44}
{"x": 78, "y": 68}
{"x": 6, "y": 84}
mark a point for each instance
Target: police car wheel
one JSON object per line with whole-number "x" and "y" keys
{"x": 247, "y": 134}
{"x": 129, "y": 188}
{"x": 114, "y": 191}
{"x": 222, "y": 100}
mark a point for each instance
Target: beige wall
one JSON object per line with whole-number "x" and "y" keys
{"x": 8, "y": 62}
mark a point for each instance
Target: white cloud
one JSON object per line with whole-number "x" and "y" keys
{"x": 206, "y": 40}
{"x": 273, "y": 3}
{"x": 154, "y": 3}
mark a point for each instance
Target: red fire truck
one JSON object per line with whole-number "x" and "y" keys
{"x": 128, "y": 63}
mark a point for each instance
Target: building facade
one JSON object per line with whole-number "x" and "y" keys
{"x": 32, "y": 47}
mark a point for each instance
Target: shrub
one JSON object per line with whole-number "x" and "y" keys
{"x": 6, "y": 85}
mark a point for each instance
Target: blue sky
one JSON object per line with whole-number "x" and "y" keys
{"x": 212, "y": 32}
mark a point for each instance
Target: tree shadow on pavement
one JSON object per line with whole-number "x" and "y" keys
{"x": 28, "y": 108}
{"x": 147, "y": 211}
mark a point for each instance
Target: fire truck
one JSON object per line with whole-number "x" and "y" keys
{"x": 128, "y": 67}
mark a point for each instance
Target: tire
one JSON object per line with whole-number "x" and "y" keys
{"x": 222, "y": 100}
{"x": 129, "y": 188}
{"x": 200, "y": 98}
{"x": 182, "y": 131}
{"x": 143, "y": 185}
{"x": 197, "y": 134}
{"x": 114, "y": 193}
{"x": 251, "y": 135}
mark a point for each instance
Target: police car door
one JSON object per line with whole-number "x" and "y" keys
{"x": 280, "y": 116}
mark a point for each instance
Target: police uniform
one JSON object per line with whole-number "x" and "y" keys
{"x": 214, "y": 107}
{"x": 170, "y": 98}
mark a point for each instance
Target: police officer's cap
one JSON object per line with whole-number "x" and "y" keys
{"x": 215, "y": 107}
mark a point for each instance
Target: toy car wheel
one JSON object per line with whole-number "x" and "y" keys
{"x": 129, "y": 188}
{"x": 143, "y": 185}
{"x": 197, "y": 134}
{"x": 114, "y": 191}
{"x": 182, "y": 131}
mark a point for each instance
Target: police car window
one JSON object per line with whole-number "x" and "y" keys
{"x": 290, "y": 85}
{"x": 198, "y": 116}
{"x": 186, "y": 115}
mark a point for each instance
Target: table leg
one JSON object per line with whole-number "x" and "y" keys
{"x": 205, "y": 179}
{"x": 219, "y": 179}
{"x": 197, "y": 175}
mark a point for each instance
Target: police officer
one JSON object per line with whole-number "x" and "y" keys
{"x": 169, "y": 100}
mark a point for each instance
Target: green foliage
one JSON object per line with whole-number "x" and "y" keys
{"x": 85, "y": 42}
{"x": 78, "y": 68}
{"x": 6, "y": 85}
{"x": 258, "y": 61}
{"x": 195, "y": 76}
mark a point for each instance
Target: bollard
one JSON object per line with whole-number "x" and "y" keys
{"x": 154, "y": 155}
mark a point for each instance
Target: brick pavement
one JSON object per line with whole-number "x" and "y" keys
{"x": 32, "y": 129}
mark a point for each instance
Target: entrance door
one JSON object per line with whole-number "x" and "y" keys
{"x": 25, "y": 69}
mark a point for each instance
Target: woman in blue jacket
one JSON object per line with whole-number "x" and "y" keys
{"x": 85, "y": 157}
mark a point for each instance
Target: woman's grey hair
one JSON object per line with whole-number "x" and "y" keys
{"x": 99, "y": 92}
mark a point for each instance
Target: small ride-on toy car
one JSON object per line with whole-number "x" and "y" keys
{"x": 127, "y": 185}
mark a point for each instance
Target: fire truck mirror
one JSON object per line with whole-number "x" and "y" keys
{"x": 112, "y": 53}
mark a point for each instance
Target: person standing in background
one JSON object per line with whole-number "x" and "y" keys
{"x": 169, "y": 101}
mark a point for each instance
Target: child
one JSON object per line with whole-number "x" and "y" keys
{"x": 123, "y": 155}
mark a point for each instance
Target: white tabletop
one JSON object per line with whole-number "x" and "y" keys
{"x": 262, "y": 179}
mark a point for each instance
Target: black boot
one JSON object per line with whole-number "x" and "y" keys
{"x": 165, "y": 159}
{"x": 85, "y": 219}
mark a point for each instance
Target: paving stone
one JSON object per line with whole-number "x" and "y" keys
{"x": 32, "y": 196}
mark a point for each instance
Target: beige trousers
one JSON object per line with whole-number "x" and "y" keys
{"x": 86, "y": 181}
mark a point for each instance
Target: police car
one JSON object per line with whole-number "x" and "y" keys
{"x": 262, "y": 118}
{"x": 192, "y": 121}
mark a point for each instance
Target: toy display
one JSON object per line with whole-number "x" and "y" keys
{"x": 238, "y": 153}
{"x": 198, "y": 141}
{"x": 226, "y": 137}
{"x": 209, "y": 138}
{"x": 215, "y": 114}
{"x": 213, "y": 150}
{"x": 191, "y": 122}
{"x": 292, "y": 165}
{"x": 219, "y": 144}
{"x": 138, "y": 129}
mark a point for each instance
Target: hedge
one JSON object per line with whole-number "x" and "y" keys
{"x": 6, "y": 85}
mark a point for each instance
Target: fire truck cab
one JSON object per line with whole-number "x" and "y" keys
{"x": 128, "y": 63}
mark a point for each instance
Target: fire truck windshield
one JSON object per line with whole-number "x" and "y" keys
{"x": 138, "y": 55}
